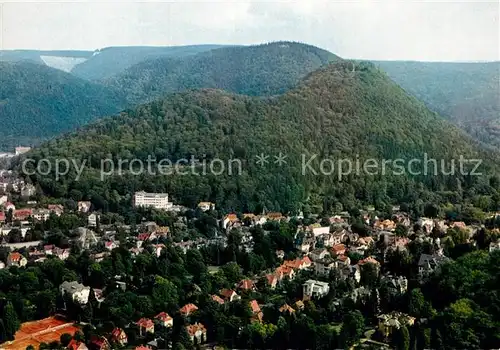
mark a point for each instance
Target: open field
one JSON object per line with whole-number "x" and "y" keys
{"x": 42, "y": 331}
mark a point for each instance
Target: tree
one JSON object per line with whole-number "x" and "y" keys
{"x": 352, "y": 328}
{"x": 401, "y": 338}
{"x": 11, "y": 322}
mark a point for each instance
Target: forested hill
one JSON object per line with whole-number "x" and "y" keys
{"x": 468, "y": 94}
{"x": 335, "y": 113}
{"x": 250, "y": 70}
{"x": 109, "y": 61}
{"x": 37, "y": 101}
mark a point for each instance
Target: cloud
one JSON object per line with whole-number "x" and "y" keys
{"x": 363, "y": 29}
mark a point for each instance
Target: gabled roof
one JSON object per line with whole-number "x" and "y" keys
{"x": 246, "y": 284}
{"x": 217, "y": 299}
{"x": 145, "y": 323}
{"x": 287, "y": 308}
{"x": 193, "y": 328}
{"x": 188, "y": 308}
{"x": 117, "y": 333}
{"x": 227, "y": 293}
{"x": 163, "y": 316}
{"x": 255, "y": 306}
{"x": 15, "y": 256}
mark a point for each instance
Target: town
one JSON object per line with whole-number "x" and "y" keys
{"x": 182, "y": 277}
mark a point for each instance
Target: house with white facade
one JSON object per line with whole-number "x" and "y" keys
{"x": 315, "y": 289}
{"x": 77, "y": 291}
{"x": 152, "y": 200}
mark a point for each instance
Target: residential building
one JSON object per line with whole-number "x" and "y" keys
{"x": 428, "y": 263}
{"x": 229, "y": 221}
{"x": 272, "y": 280}
{"x": 393, "y": 321}
{"x": 188, "y": 309}
{"x": 57, "y": 209}
{"x": 16, "y": 259}
{"x": 154, "y": 200}
{"x": 164, "y": 319}
{"x": 93, "y": 219}
{"x": 197, "y": 331}
{"x": 22, "y": 214}
{"x": 338, "y": 249}
{"x": 247, "y": 285}
{"x": 41, "y": 214}
{"x": 28, "y": 190}
{"x": 257, "y": 314}
{"x": 318, "y": 254}
{"x": 206, "y": 206}
{"x": 229, "y": 295}
{"x": 315, "y": 289}
{"x": 78, "y": 292}
{"x": 3, "y": 200}
{"x": 287, "y": 309}
{"x": 145, "y": 326}
{"x": 324, "y": 266}
{"x": 218, "y": 299}
{"x": 119, "y": 336}
{"x": 494, "y": 246}
{"x": 84, "y": 206}
{"x": 99, "y": 343}
{"x": 77, "y": 345}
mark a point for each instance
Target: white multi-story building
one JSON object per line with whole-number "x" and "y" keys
{"x": 77, "y": 291}
{"x": 317, "y": 289}
{"x": 153, "y": 200}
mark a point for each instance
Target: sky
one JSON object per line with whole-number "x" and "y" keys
{"x": 365, "y": 29}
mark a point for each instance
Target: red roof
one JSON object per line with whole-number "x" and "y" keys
{"x": 118, "y": 333}
{"x": 74, "y": 345}
{"x": 246, "y": 284}
{"x": 15, "y": 256}
{"x": 142, "y": 347}
{"x": 23, "y": 212}
{"x": 163, "y": 316}
{"x": 145, "y": 323}
{"x": 193, "y": 328}
{"x": 188, "y": 308}
{"x": 271, "y": 278}
{"x": 227, "y": 293}
{"x": 254, "y": 306}
{"x": 2, "y": 216}
{"x": 143, "y": 237}
{"x": 217, "y": 299}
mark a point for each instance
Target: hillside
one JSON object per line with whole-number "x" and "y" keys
{"x": 250, "y": 70}
{"x": 334, "y": 113}
{"x": 466, "y": 93}
{"x": 109, "y": 61}
{"x": 37, "y": 102}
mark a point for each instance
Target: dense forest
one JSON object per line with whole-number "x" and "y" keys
{"x": 109, "y": 61}
{"x": 37, "y": 101}
{"x": 56, "y": 102}
{"x": 335, "y": 113}
{"x": 465, "y": 93}
{"x": 249, "y": 70}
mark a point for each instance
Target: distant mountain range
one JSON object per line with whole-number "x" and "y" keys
{"x": 89, "y": 84}
{"x": 468, "y": 94}
{"x": 37, "y": 102}
{"x": 102, "y": 63}
{"x": 249, "y": 70}
{"x": 58, "y": 101}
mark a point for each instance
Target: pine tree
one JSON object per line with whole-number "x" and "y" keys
{"x": 11, "y": 322}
